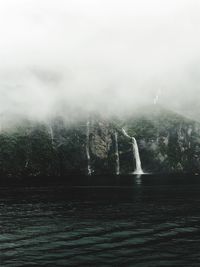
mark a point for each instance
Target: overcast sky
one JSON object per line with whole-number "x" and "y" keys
{"x": 108, "y": 55}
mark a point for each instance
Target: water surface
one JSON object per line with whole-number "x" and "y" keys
{"x": 151, "y": 221}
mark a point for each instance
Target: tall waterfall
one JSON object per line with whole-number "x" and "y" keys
{"x": 117, "y": 166}
{"x": 136, "y": 154}
{"x": 88, "y": 148}
{"x": 138, "y": 169}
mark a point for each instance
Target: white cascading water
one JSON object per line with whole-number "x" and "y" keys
{"x": 117, "y": 166}
{"x": 136, "y": 154}
{"x": 51, "y": 135}
{"x": 89, "y": 170}
{"x": 138, "y": 169}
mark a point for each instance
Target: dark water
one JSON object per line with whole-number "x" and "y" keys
{"x": 152, "y": 221}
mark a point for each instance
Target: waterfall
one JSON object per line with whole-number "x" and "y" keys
{"x": 88, "y": 148}
{"x": 156, "y": 98}
{"x": 155, "y": 101}
{"x": 138, "y": 169}
{"x": 136, "y": 154}
{"x": 51, "y": 135}
{"x": 26, "y": 163}
{"x": 125, "y": 133}
{"x": 117, "y": 167}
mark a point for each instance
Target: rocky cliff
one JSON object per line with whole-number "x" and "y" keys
{"x": 167, "y": 142}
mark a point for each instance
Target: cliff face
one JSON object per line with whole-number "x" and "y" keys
{"x": 167, "y": 143}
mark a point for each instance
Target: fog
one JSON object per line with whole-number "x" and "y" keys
{"x": 108, "y": 56}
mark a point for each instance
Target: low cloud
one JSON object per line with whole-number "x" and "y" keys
{"x": 61, "y": 57}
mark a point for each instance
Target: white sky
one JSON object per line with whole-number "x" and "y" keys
{"x": 108, "y": 55}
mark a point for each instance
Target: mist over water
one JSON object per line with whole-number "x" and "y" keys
{"x": 111, "y": 56}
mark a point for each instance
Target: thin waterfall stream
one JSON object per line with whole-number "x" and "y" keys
{"x": 89, "y": 169}
{"x": 117, "y": 165}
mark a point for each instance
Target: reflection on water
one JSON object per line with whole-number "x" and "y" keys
{"x": 138, "y": 179}
{"x": 141, "y": 221}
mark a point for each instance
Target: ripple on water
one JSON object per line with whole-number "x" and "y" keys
{"x": 115, "y": 229}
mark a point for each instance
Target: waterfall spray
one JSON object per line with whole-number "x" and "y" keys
{"x": 136, "y": 154}
{"x": 117, "y": 166}
{"x": 89, "y": 170}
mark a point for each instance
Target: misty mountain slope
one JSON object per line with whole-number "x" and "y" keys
{"x": 167, "y": 142}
